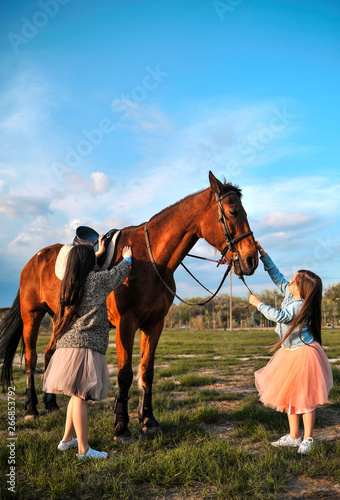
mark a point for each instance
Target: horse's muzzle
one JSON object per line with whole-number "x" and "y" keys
{"x": 245, "y": 266}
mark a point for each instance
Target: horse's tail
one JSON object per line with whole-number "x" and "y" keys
{"x": 11, "y": 331}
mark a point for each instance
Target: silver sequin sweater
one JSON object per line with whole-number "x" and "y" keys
{"x": 91, "y": 328}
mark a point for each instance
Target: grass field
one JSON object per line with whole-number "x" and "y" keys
{"x": 216, "y": 439}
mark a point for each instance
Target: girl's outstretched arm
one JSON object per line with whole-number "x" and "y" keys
{"x": 283, "y": 316}
{"x": 269, "y": 266}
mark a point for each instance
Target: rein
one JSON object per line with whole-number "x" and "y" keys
{"x": 152, "y": 260}
{"x": 229, "y": 247}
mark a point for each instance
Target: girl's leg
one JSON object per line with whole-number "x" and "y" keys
{"x": 79, "y": 417}
{"x": 308, "y": 424}
{"x": 294, "y": 420}
{"x": 69, "y": 428}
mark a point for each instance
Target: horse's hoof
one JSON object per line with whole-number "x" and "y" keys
{"x": 31, "y": 416}
{"x": 152, "y": 431}
{"x": 52, "y": 409}
{"x": 125, "y": 440}
{"x": 50, "y": 402}
{"x": 122, "y": 435}
{"x": 150, "y": 427}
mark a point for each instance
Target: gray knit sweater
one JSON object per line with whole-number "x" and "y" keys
{"x": 91, "y": 328}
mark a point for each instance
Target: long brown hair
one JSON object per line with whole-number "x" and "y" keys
{"x": 310, "y": 289}
{"x": 80, "y": 262}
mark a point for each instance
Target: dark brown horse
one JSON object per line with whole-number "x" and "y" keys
{"x": 143, "y": 301}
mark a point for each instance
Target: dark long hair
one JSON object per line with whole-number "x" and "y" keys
{"x": 310, "y": 289}
{"x": 80, "y": 262}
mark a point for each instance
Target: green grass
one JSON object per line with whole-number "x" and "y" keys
{"x": 216, "y": 435}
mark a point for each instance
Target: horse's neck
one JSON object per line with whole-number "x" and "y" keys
{"x": 175, "y": 230}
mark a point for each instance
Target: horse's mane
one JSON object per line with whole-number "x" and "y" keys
{"x": 227, "y": 188}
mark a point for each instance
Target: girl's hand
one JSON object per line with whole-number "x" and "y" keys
{"x": 127, "y": 252}
{"x": 101, "y": 246}
{"x": 260, "y": 249}
{"x": 254, "y": 301}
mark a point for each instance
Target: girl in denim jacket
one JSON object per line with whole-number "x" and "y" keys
{"x": 298, "y": 377}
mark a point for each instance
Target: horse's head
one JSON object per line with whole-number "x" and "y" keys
{"x": 225, "y": 226}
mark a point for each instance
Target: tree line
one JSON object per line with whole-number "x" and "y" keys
{"x": 216, "y": 314}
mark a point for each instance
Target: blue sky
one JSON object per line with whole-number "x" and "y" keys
{"x": 112, "y": 110}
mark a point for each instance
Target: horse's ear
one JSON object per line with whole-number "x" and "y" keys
{"x": 215, "y": 184}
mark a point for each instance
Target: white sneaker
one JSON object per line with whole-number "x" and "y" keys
{"x": 287, "y": 441}
{"x": 306, "y": 446}
{"x": 66, "y": 446}
{"x": 92, "y": 454}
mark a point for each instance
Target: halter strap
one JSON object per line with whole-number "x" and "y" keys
{"x": 229, "y": 239}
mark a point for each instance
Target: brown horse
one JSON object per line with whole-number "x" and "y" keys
{"x": 143, "y": 301}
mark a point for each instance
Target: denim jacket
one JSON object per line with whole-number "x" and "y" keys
{"x": 290, "y": 307}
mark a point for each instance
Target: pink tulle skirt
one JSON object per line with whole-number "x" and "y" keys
{"x": 295, "y": 380}
{"x": 77, "y": 372}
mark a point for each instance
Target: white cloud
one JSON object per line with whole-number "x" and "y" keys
{"x": 17, "y": 207}
{"x": 283, "y": 219}
{"x": 25, "y": 107}
{"x": 76, "y": 182}
{"x": 39, "y": 234}
{"x": 101, "y": 183}
{"x": 142, "y": 118}
{"x": 315, "y": 196}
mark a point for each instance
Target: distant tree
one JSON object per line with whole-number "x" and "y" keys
{"x": 331, "y": 305}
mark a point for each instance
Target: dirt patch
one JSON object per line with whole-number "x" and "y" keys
{"x": 305, "y": 488}
{"x": 178, "y": 493}
{"x": 185, "y": 356}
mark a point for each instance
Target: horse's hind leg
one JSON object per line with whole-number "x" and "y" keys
{"x": 31, "y": 320}
{"x": 49, "y": 399}
{"x": 148, "y": 343}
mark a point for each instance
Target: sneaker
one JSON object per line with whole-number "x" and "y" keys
{"x": 66, "y": 446}
{"x": 287, "y": 441}
{"x": 92, "y": 454}
{"x": 306, "y": 446}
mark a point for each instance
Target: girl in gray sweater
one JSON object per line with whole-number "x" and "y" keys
{"x": 78, "y": 367}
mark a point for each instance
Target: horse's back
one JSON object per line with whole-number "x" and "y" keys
{"x": 38, "y": 282}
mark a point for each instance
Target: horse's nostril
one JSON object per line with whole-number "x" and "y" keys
{"x": 251, "y": 263}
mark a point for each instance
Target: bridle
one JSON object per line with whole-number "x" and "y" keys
{"x": 229, "y": 239}
{"x": 230, "y": 242}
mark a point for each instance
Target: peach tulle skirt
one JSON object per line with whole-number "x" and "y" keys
{"x": 296, "y": 380}
{"x": 77, "y": 371}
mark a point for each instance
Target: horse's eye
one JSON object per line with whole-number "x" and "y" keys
{"x": 233, "y": 212}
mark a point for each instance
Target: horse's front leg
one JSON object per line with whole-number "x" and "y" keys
{"x": 49, "y": 399}
{"x": 148, "y": 344}
{"x": 125, "y": 335}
